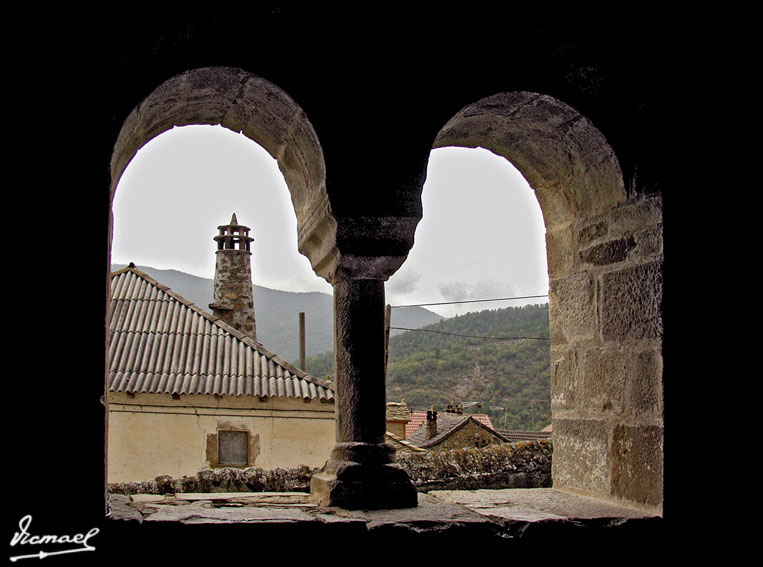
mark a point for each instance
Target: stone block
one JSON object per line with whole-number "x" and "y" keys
{"x": 636, "y": 215}
{"x": 553, "y": 196}
{"x": 649, "y": 245}
{"x": 609, "y": 252}
{"x": 597, "y": 179}
{"x": 564, "y": 378}
{"x": 572, "y": 312}
{"x": 354, "y": 487}
{"x": 264, "y": 113}
{"x": 303, "y": 157}
{"x": 643, "y": 395}
{"x": 631, "y": 305}
{"x": 605, "y": 372}
{"x": 592, "y": 232}
{"x": 637, "y": 464}
{"x": 559, "y": 252}
{"x": 581, "y": 455}
{"x": 617, "y": 382}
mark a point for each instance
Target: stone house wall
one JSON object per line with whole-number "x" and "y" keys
{"x": 470, "y": 435}
{"x": 154, "y": 434}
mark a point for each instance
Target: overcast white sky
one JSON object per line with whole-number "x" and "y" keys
{"x": 482, "y": 235}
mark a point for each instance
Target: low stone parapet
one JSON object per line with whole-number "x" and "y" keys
{"x": 508, "y": 465}
{"x": 249, "y": 479}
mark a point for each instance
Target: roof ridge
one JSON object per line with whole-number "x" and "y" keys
{"x": 405, "y": 442}
{"x": 457, "y": 422}
{"x": 243, "y": 337}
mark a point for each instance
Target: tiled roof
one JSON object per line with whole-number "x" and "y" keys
{"x": 402, "y": 444}
{"x": 419, "y": 417}
{"x": 162, "y": 343}
{"x": 524, "y": 435}
{"x": 447, "y": 424}
{"x": 484, "y": 419}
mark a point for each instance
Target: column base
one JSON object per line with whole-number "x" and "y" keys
{"x": 370, "y": 485}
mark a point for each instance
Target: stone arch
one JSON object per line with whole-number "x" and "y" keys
{"x": 564, "y": 158}
{"x": 255, "y": 107}
{"x": 604, "y": 254}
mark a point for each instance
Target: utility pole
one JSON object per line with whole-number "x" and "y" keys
{"x": 302, "y": 357}
{"x": 504, "y": 413}
{"x": 387, "y": 323}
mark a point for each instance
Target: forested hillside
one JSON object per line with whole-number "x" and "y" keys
{"x": 508, "y": 373}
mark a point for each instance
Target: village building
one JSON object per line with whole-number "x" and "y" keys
{"x": 398, "y": 418}
{"x": 188, "y": 389}
{"x": 514, "y": 435}
{"x": 402, "y": 445}
{"x": 450, "y": 430}
{"x": 419, "y": 418}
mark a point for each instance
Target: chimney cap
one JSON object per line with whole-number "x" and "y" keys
{"x": 233, "y": 234}
{"x": 233, "y": 223}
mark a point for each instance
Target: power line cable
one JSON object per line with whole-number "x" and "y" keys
{"x": 469, "y": 301}
{"x": 471, "y": 336}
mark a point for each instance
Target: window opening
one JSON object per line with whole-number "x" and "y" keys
{"x": 233, "y": 448}
{"x": 168, "y": 206}
{"x": 184, "y": 183}
{"x": 479, "y": 262}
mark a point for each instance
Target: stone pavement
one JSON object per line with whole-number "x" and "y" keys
{"x": 488, "y": 514}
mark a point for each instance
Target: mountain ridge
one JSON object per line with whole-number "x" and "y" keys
{"x": 497, "y": 359}
{"x": 276, "y": 312}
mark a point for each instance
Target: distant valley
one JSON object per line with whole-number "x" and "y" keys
{"x": 496, "y": 360}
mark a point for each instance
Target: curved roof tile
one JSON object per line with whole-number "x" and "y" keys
{"x": 162, "y": 343}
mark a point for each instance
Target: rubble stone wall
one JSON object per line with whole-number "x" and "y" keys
{"x": 514, "y": 465}
{"x": 505, "y": 465}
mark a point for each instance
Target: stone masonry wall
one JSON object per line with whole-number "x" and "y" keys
{"x": 515, "y": 465}
{"x": 233, "y": 290}
{"x": 470, "y": 435}
{"x": 224, "y": 479}
{"x": 606, "y": 358}
{"x": 505, "y": 465}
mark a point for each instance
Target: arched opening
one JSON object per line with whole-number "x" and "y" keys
{"x": 604, "y": 264}
{"x": 478, "y": 260}
{"x": 261, "y": 112}
{"x": 185, "y": 182}
{"x": 489, "y": 245}
{"x": 605, "y": 291}
{"x": 241, "y": 102}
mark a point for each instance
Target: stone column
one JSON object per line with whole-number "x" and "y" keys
{"x": 361, "y": 472}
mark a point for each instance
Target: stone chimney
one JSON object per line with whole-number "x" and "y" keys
{"x": 233, "y": 300}
{"x": 431, "y": 423}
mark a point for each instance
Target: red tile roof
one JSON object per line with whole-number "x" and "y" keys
{"x": 418, "y": 418}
